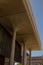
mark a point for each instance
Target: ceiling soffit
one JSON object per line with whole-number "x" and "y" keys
{"x": 11, "y": 7}
{"x": 19, "y": 20}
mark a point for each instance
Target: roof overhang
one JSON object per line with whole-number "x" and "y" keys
{"x": 17, "y": 14}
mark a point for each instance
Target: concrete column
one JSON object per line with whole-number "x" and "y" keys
{"x": 24, "y": 54}
{"x": 13, "y": 49}
{"x": 30, "y": 59}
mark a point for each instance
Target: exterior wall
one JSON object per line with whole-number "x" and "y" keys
{"x": 5, "y": 42}
{"x": 35, "y": 60}
{"x": 5, "y": 45}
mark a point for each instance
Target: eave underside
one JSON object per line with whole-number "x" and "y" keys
{"x": 13, "y": 15}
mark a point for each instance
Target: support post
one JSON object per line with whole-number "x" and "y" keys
{"x": 30, "y": 59}
{"x": 24, "y": 54}
{"x": 13, "y": 49}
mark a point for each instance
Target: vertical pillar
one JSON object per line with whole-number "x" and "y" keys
{"x": 24, "y": 54}
{"x": 13, "y": 49}
{"x": 30, "y": 59}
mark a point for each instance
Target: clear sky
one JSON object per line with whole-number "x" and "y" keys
{"x": 37, "y": 7}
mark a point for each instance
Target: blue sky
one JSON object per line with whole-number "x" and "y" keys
{"x": 37, "y": 8}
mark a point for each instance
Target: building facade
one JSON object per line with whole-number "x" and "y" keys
{"x": 18, "y": 31}
{"x": 38, "y": 60}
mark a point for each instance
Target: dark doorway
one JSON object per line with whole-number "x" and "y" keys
{"x": 2, "y": 60}
{"x": 17, "y": 52}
